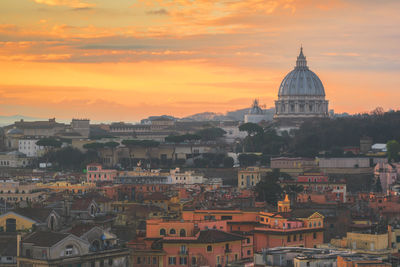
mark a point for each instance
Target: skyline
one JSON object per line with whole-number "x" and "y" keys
{"x": 132, "y": 59}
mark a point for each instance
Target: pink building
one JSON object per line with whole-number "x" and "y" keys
{"x": 96, "y": 173}
{"x": 315, "y": 178}
{"x": 387, "y": 174}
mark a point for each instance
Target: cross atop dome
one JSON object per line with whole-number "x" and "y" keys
{"x": 301, "y": 59}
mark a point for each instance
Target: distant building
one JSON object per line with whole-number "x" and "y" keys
{"x": 30, "y": 148}
{"x": 96, "y": 173}
{"x": 292, "y": 163}
{"x": 249, "y": 177}
{"x": 344, "y": 162}
{"x": 54, "y": 249}
{"x": 256, "y": 114}
{"x": 177, "y": 176}
{"x": 81, "y": 126}
{"x": 387, "y": 174}
{"x": 14, "y": 159}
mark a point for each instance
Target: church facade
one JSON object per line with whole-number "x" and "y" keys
{"x": 301, "y": 96}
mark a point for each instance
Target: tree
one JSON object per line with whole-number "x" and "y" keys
{"x": 211, "y": 134}
{"x": 112, "y": 145}
{"x": 252, "y": 129}
{"x": 228, "y": 162}
{"x": 130, "y": 144}
{"x": 49, "y": 142}
{"x": 268, "y": 189}
{"x": 393, "y": 150}
{"x": 246, "y": 160}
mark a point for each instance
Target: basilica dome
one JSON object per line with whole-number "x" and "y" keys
{"x": 301, "y": 81}
{"x": 301, "y": 94}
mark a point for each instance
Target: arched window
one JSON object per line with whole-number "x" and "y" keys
{"x": 182, "y": 232}
{"x": 162, "y": 231}
{"x": 52, "y": 223}
{"x": 172, "y": 231}
{"x": 11, "y": 225}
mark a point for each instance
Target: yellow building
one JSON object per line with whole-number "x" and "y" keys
{"x": 26, "y": 218}
{"x": 249, "y": 177}
{"x": 80, "y": 188}
{"x": 11, "y": 222}
{"x": 370, "y": 243}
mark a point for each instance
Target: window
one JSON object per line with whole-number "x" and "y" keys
{"x": 110, "y": 261}
{"x": 154, "y": 260}
{"x": 226, "y": 217}
{"x": 172, "y": 260}
{"x": 183, "y": 248}
{"x": 248, "y": 240}
{"x": 248, "y": 252}
{"x": 68, "y": 250}
{"x": 183, "y": 260}
{"x": 194, "y": 260}
{"x": 182, "y": 233}
{"x": 315, "y": 235}
{"x": 172, "y": 231}
{"x": 162, "y": 231}
{"x": 295, "y": 238}
{"x": 209, "y": 248}
{"x": 262, "y": 219}
{"x": 288, "y": 238}
{"x": 139, "y": 260}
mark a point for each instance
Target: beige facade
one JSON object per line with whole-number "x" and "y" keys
{"x": 249, "y": 177}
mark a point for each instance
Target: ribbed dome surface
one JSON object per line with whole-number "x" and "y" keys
{"x": 301, "y": 81}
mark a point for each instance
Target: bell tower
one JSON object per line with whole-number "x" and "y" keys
{"x": 284, "y": 205}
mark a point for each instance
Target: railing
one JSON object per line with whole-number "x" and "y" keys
{"x": 228, "y": 250}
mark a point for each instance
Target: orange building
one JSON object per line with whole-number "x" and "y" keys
{"x": 288, "y": 228}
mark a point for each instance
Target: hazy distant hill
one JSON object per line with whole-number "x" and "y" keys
{"x": 206, "y": 116}
{"x": 236, "y": 115}
{"x": 7, "y": 120}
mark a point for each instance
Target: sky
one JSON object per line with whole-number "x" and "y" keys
{"x": 124, "y": 60}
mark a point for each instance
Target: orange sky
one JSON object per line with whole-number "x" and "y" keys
{"x": 126, "y": 59}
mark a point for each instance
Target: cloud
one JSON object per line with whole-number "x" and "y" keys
{"x": 77, "y": 4}
{"x": 161, "y": 12}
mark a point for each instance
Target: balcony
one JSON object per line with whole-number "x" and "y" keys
{"x": 228, "y": 250}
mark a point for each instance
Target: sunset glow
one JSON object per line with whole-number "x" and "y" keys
{"x": 129, "y": 59}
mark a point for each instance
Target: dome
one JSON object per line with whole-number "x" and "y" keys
{"x": 14, "y": 131}
{"x": 255, "y": 109}
{"x": 301, "y": 81}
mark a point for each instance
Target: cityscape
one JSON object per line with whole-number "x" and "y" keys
{"x": 199, "y": 133}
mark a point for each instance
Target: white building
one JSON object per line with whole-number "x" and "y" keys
{"x": 29, "y": 147}
{"x": 232, "y": 132}
{"x": 187, "y": 177}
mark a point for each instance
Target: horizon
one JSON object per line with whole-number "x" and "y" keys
{"x": 128, "y": 60}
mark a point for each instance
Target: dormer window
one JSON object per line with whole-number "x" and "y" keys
{"x": 68, "y": 250}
